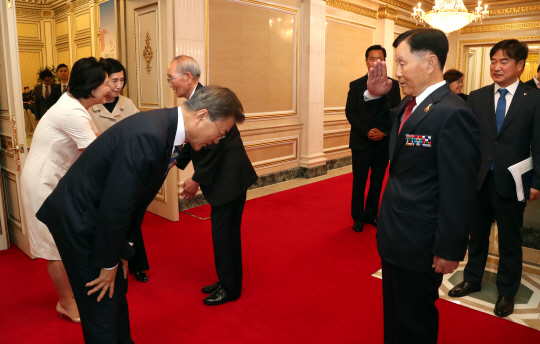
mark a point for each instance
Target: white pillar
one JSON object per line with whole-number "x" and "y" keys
{"x": 190, "y": 31}
{"x": 387, "y": 17}
{"x": 311, "y": 109}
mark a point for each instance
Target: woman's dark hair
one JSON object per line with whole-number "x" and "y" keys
{"x": 114, "y": 66}
{"x": 512, "y": 48}
{"x": 45, "y": 74}
{"x": 86, "y": 75}
{"x": 452, "y": 75}
{"x": 422, "y": 40}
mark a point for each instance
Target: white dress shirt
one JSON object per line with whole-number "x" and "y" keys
{"x": 536, "y": 82}
{"x": 509, "y": 96}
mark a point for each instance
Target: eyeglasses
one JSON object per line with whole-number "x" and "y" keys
{"x": 220, "y": 134}
{"x": 174, "y": 77}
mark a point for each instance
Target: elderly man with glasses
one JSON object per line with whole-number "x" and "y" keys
{"x": 224, "y": 173}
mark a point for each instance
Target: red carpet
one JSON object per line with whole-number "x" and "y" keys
{"x": 306, "y": 280}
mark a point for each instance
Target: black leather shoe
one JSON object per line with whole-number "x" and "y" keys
{"x": 463, "y": 289}
{"x": 372, "y": 222}
{"x": 209, "y": 289}
{"x": 504, "y": 306}
{"x": 218, "y": 297}
{"x": 358, "y": 226}
{"x": 141, "y": 276}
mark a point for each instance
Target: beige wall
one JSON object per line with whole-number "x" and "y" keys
{"x": 346, "y": 44}
{"x": 252, "y": 50}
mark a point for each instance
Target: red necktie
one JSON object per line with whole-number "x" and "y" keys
{"x": 408, "y": 112}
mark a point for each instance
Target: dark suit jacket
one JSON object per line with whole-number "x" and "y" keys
{"x": 361, "y": 120}
{"x": 223, "y": 170}
{"x": 56, "y": 93}
{"x": 518, "y": 135}
{"x": 99, "y": 205}
{"x": 531, "y": 83}
{"x": 41, "y": 104}
{"x": 463, "y": 96}
{"x": 427, "y": 204}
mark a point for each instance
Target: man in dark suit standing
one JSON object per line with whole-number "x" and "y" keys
{"x": 224, "y": 173}
{"x": 63, "y": 74}
{"x": 368, "y": 144}
{"x": 535, "y": 81}
{"x": 427, "y": 204}
{"x": 43, "y": 99}
{"x": 508, "y": 112}
{"x": 98, "y": 207}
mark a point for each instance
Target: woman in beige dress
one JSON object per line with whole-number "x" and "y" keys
{"x": 60, "y": 137}
{"x": 116, "y": 107}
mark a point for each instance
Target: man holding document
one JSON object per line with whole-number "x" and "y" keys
{"x": 508, "y": 113}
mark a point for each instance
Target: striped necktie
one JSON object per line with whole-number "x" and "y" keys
{"x": 174, "y": 155}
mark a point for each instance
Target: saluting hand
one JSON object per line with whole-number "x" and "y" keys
{"x": 105, "y": 282}
{"x": 378, "y": 83}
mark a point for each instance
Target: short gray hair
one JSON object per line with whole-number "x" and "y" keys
{"x": 220, "y": 102}
{"x": 186, "y": 63}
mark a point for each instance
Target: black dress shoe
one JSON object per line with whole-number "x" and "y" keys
{"x": 463, "y": 289}
{"x": 209, "y": 289}
{"x": 372, "y": 222}
{"x": 504, "y": 306}
{"x": 218, "y": 297}
{"x": 358, "y": 226}
{"x": 141, "y": 276}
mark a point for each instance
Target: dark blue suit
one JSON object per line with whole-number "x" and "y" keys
{"x": 496, "y": 197}
{"x": 98, "y": 207}
{"x": 426, "y": 209}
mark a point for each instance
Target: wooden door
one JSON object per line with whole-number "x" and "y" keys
{"x": 13, "y": 148}
{"x": 148, "y": 39}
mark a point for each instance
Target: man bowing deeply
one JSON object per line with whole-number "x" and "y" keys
{"x": 99, "y": 205}
{"x": 427, "y": 205}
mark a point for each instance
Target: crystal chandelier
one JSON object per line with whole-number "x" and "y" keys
{"x": 449, "y": 15}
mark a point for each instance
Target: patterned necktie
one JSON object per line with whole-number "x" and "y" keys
{"x": 174, "y": 155}
{"x": 46, "y": 92}
{"x": 501, "y": 108}
{"x": 64, "y": 89}
{"x": 408, "y": 112}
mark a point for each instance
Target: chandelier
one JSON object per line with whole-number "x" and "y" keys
{"x": 449, "y": 15}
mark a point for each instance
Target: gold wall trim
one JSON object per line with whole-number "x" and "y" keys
{"x": 487, "y": 41}
{"x": 348, "y": 7}
{"x": 269, "y": 115}
{"x": 62, "y": 9}
{"x": 399, "y": 4}
{"x": 500, "y": 27}
{"x": 407, "y": 24}
{"x": 275, "y": 161}
{"x": 387, "y": 12}
{"x": 515, "y": 10}
{"x": 28, "y": 12}
{"x": 350, "y": 22}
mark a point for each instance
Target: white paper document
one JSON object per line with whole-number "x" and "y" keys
{"x": 517, "y": 171}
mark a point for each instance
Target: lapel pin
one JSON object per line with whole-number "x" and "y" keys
{"x": 427, "y": 108}
{"x": 525, "y": 93}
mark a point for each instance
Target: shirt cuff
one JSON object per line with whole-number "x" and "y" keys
{"x": 368, "y": 97}
{"x": 111, "y": 268}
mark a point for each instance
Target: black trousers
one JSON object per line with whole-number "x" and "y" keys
{"x": 410, "y": 315}
{"x": 226, "y": 221}
{"x": 362, "y": 161}
{"x": 508, "y": 212}
{"x": 103, "y": 322}
{"x": 139, "y": 262}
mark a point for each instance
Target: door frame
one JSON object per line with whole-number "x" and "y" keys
{"x": 15, "y": 108}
